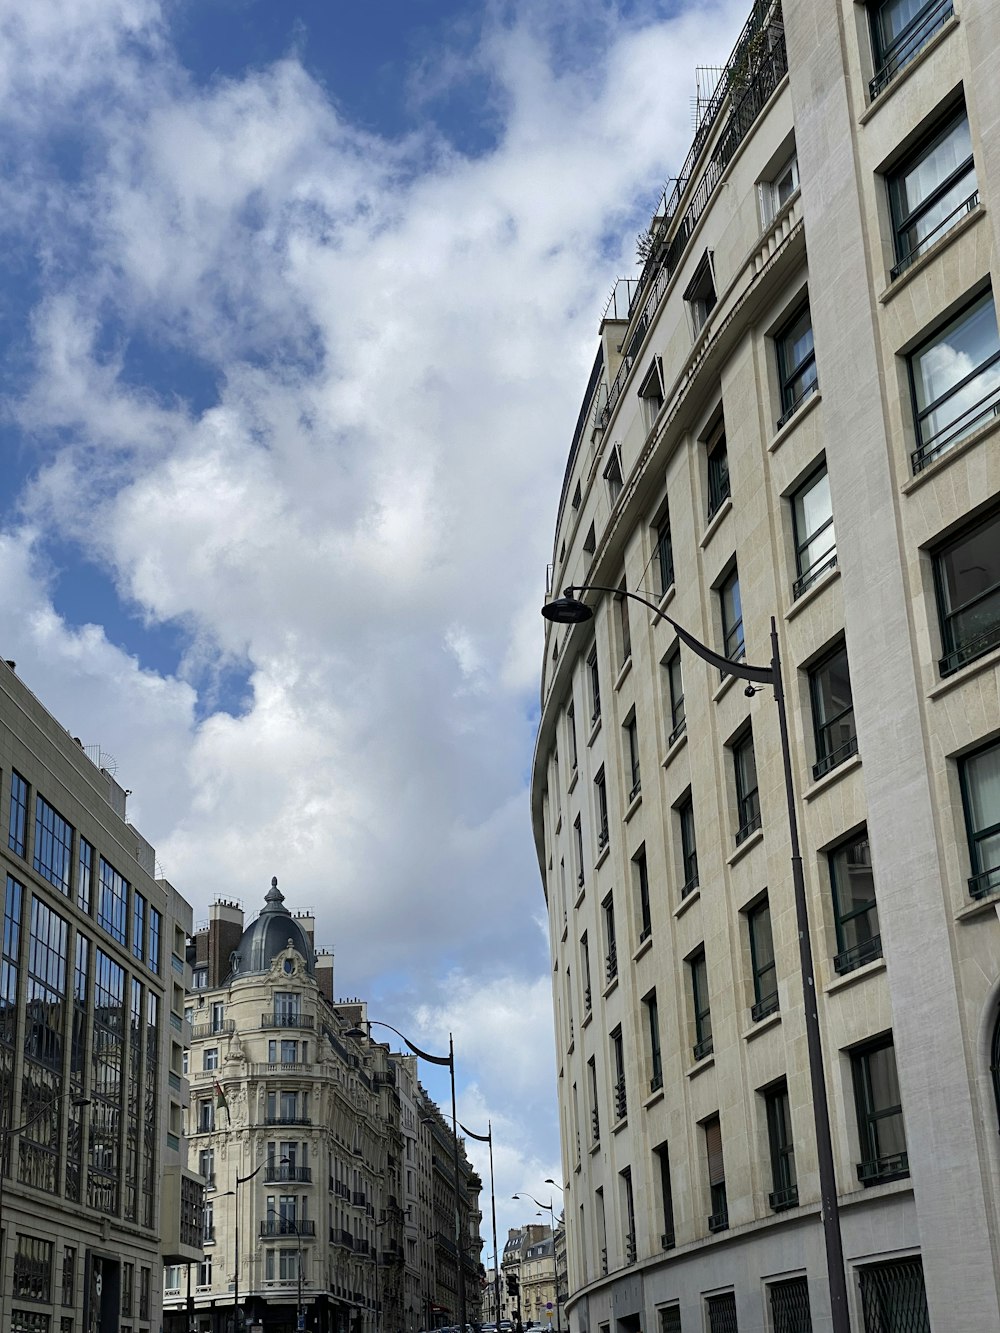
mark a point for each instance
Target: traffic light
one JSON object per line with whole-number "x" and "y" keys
{"x": 512, "y": 1284}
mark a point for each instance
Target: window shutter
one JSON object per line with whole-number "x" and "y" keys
{"x": 713, "y": 1144}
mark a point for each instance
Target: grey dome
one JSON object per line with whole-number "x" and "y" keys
{"x": 269, "y": 935}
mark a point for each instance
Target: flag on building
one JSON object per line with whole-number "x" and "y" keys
{"x": 220, "y": 1101}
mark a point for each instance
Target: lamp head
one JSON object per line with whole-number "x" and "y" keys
{"x": 567, "y": 610}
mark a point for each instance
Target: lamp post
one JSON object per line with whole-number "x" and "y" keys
{"x": 243, "y": 1180}
{"x": 569, "y": 610}
{"x": 552, "y": 1215}
{"x": 283, "y": 1222}
{"x": 556, "y": 1185}
{"x": 7, "y": 1137}
{"x": 488, "y": 1138}
{"x": 357, "y": 1033}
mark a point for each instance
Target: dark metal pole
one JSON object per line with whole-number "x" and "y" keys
{"x": 236, "y": 1275}
{"x": 830, "y": 1210}
{"x": 463, "y": 1313}
{"x": 493, "y": 1207}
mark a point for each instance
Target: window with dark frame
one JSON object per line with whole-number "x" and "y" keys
{"x": 675, "y": 686}
{"x": 797, "y": 376}
{"x": 747, "y": 793}
{"x": 900, "y": 29}
{"x": 651, "y": 397}
{"x": 585, "y": 968}
{"x": 776, "y": 192}
{"x": 601, "y": 806}
{"x": 689, "y": 848}
{"x": 595, "y": 1117}
{"x": 653, "y": 1031}
{"x": 701, "y": 1007}
{"x": 664, "y": 554}
{"x": 967, "y": 581}
{"x": 610, "y": 941}
{"x": 893, "y": 1296}
{"x": 979, "y": 775}
{"x": 812, "y": 523}
{"x": 628, "y": 1211}
{"x": 613, "y": 475}
{"x": 765, "y": 980}
{"x": 632, "y": 757}
{"x": 784, "y": 1185}
{"x": 733, "y": 645}
{"x": 955, "y": 380}
{"x": 855, "y": 911}
{"x": 832, "y": 711}
{"x": 574, "y": 758}
{"x": 624, "y": 626}
{"x": 789, "y": 1300}
{"x": 642, "y": 893}
{"x": 17, "y": 831}
{"x": 53, "y": 849}
{"x": 618, "y": 1065}
{"x": 662, "y": 1155}
{"x": 578, "y": 850}
{"x": 719, "y": 1217}
{"x": 932, "y": 189}
{"x": 700, "y": 292}
{"x": 595, "y": 686}
{"x": 717, "y": 458}
{"x": 880, "y": 1113}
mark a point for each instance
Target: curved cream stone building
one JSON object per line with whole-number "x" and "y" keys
{"x": 793, "y": 412}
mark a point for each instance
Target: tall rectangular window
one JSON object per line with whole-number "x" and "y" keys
{"x": 613, "y": 476}
{"x": 18, "y": 831}
{"x": 624, "y": 626}
{"x": 610, "y": 942}
{"x": 601, "y": 808}
{"x": 900, "y": 29}
{"x": 880, "y": 1113}
{"x": 664, "y": 554}
{"x": 111, "y": 900}
{"x": 955, "y": 378}
{"x": 765, "y": 981}
{"x": 815, "y": 539}
{"x": 585, "y": 970}
{"x": 675, "y": 689}
{"x": 784, "y": 1186}
{"x": 595, "y": 1116}
{"x": 138, "y": 926}
{"x": 779, "y": 188}
{"x": 653, "y": 1033}
{"x": 578, "y": 851}
{"x": 632, "y": 757}
{"x": 732, "y": 617}
{"x": 833, "y": 711}
{"x": 155, "y": 924}
{"x": 796, "y": 363}
{"x": 719, "y": 1217}
{"x": 698, "y": 972}
{"x": 931, "y": 190}
{"x": 53, "y": 845}
{"x": 574, "y": 758}
{"x": 855, "y": 911}
{"x": 717, "y": 456}
{"x": 967, "y": 579}
{"x": 628, "y": 1214}
{"x": 662, "y": 1154}
{"x": 747, "y": 794}
{"x": 689, "y": 847}
{"x": 595, "y": 686}
{"x": 980, "y": 777}
{"x": 618, "y": 1066}
{"x": 641, "y": 875}
{"x": 84, "y": 876}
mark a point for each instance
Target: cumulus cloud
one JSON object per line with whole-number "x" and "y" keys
{"x": 303, "y": 393}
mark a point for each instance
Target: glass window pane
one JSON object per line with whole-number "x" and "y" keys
{"x": 956, "y": 353}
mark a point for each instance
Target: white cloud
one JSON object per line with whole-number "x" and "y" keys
{"x": 400, "y": 335}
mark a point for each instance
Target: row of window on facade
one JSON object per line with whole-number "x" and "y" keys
{"x": 69, "y": 862}
{"x": 35, "y": 1278}
{"x": 89, "y": 1034}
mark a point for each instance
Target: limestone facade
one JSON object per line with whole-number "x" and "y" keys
{"x": 793, "y": 413}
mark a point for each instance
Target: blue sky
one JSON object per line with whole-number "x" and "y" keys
{"x": 297, "y": 304}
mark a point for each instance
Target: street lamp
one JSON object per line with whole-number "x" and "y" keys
{"x": 243, "y": 1180}
{"x": 569, "y": 610}
{"x": 551, "y": 1211}
{"x": 358, "y": 1033}
{"x": 556, "y": 1185}
{"x": 6, "y": 1138}
{"x": 488, "y": 1138}
{"x": 283, "y": 1223}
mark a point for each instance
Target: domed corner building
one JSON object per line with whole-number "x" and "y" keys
{"x": 314, "y": 1147}
{"x": 793, "y": 413}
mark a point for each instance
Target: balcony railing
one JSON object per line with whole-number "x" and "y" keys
{"x": 216, "y": 1028}
{"x": 966, "y": 421}
{"x": 985, "y": 883}
{"x": 277, "y": 1174}
{"x": 866, "y": 952}
{"x": 926, "y": 241}
{"x": 910, "y": 41}
{"x": 830, "y": 761}
{"x": 969, "y": 649}
{"x": 719, "y": 1221}
{"x": 667, "y": 1240}
{"x": 767, "y": 1004}
{"x": 621, "y": 1099}
{"x": 677, "y": 732}
{"x": 281, "y": 1020}
{"x": 786, "y": 416}
{"x": 595, "y": 1126}
{"x": 877, "y": 1169}
{"x": 358, "y": 1198}
{"x": 784, "y": 1198}
{"x": 630, "y": 1250}
{"x": 703, "y": 1048}
{"x": 587, "y": 999}
{"x": 815, "y": 571}
{"x": 602, "y": 836}
{"x": 285, "y": 1226}
{"x": 611, "y": 963}
{"x": 279, "y": 1119}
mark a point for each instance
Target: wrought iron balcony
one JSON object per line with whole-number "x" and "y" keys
{"x": 281, "y": 1020}
{"x": 280, "y": 1119}
{"x": 630, "y": 1250}
{"x": 611, "y": 963}
{"x": 285, "y": 1226}
{"x": 909, "y": 42}
{"x": 621, "y": 1099}
{"x": 278, "y": 1174}
{"x": 677, "y": 732}
{"x": 985, "y": 883}
{"x": 703, "y": 1048}
{"x": 814, "y": 572}
{"x": 667, "y": 1240}
{"x": 878, "y": 1169}
{"x": 969, "y": 649}
{"x": 830, "y": 761}
{"x": 595, "y": 1126}
{"x": 768, "y": 1004}
{"x": 866, "y": 952}
{"x": 719, "y": 1221}
{"x": 784, "y": 1198}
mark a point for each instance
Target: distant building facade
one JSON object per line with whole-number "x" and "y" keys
{"x": 314, "y": 1147}
{"x": 96, "y": 1193}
